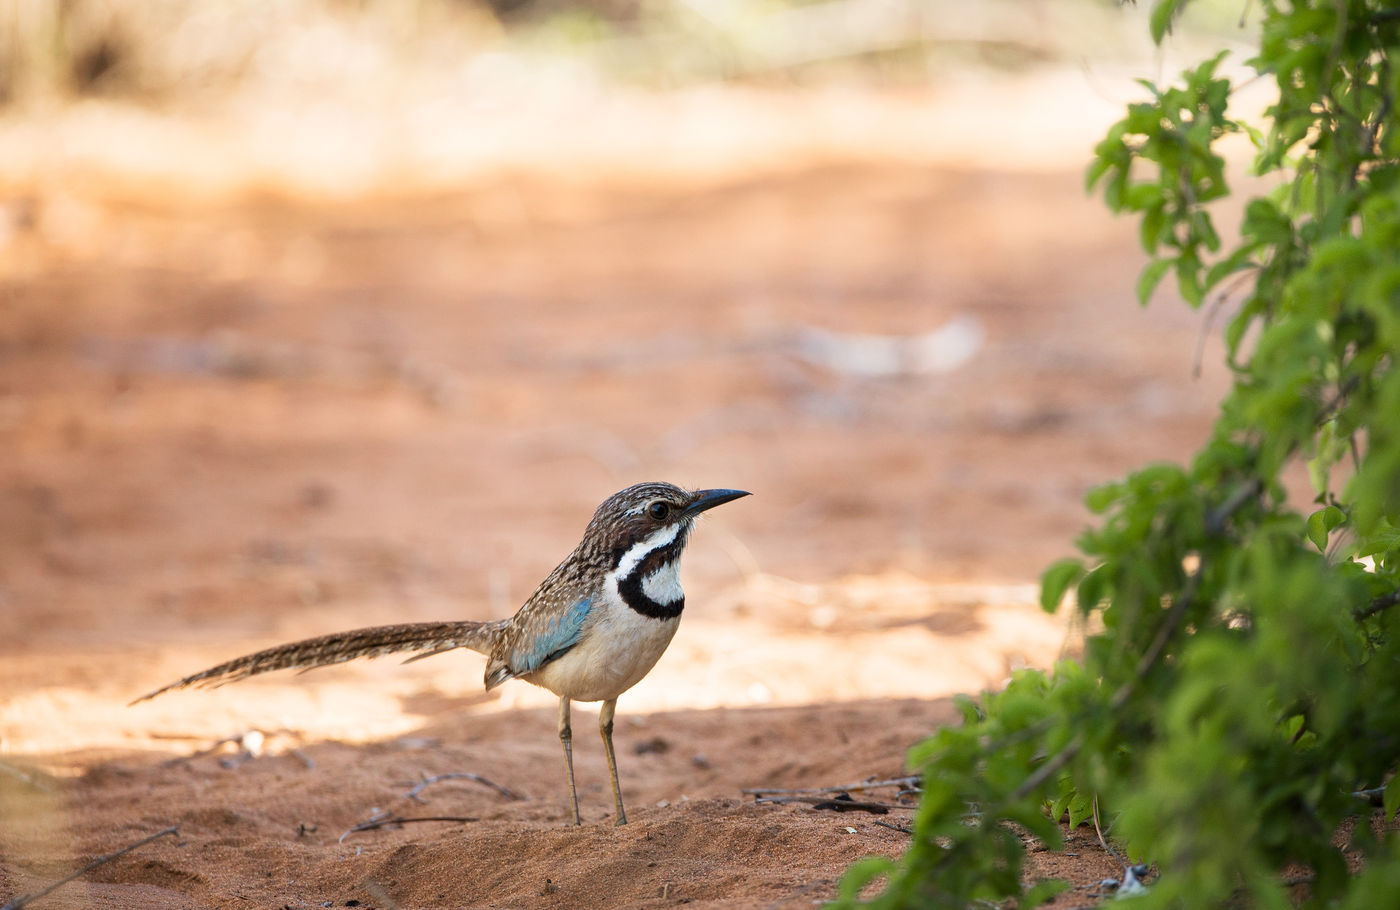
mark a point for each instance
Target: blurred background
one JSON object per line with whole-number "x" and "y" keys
{"x": 326, "y": 313}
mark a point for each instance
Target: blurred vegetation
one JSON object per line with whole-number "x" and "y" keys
{"x": 173, "y": 51}
{"x": 1236, "y": 718}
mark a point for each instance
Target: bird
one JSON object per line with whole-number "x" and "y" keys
{"x": 593, "y": 628}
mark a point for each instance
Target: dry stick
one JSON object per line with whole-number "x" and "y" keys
{"x": 25, "y": 899}
{"x": 1380, "y": 604}
{"x": 839, "y": 805}
{"x": 379, "y": 821}
{"x": 868, "y": 785}
{"x": 1212, "y": 311}
{"x": 460, "y": 775}
{"x": 32, "y": 780}
{"x": 1338, "y": 400}
{"x": 883, "y": 824}
{"x": 1103, "y": 841}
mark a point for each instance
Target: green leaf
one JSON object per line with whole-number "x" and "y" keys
{"x": 1317, "y": 530}
{"x": 1056, "y": 581}
{"x": 1097, "y": 168}
{"x": 1058, "y": 807}
{"x": 1188, "y": 279}
{"x": 1043, "y": 891}
{"x": 1204, "y": 228}
{"x": 1101, "y": 497}
{"x": 1391, "y": 798}
{"x": 1142, "y": 195}
{"x": 1322, "y": 523}
{"x": 1237, "y": 261}
{"x": 1092, "y": 588}
{"x": 1162, "y": 15}
{"x": 1331, "y": 448}
{"x": 1265, "y": 223}
{"x": 1081, "y": 809}
{"x": 862, "y": 873}
{"x": 1150, "y": 278}
{"x": 1152, "y": 230}
{"x": 1383, "y": 538}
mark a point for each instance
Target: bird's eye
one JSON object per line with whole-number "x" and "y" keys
{"x": 658, "y": 510}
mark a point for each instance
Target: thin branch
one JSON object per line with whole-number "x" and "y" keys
{"x": 384, "y": 819}
{"x": 1379, "y": 605}
{"x": 1049, "y": 769}
{"x": 1383, "y": 113}
{"x": 1212, "y": 311}
{"x": 26, "y": 899}
{"x": 1103, "y": 841}
{"x": 868, "y": 785}
{"x": 33, "y": 779}
{"x": 894, "y": 827}
{"x": 1060, "y": 759}
{"x": 1339, "y": 399}
{"x": 1215, "y": 525}
{"x": 1164, "y": 635}
{"x": 459, "y": 775}
{"x": 1216, "y": 518}
{"x": 836, "y": 805}
{"x": 1028, "y": 732}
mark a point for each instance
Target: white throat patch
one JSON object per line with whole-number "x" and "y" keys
{"x": 664, "y": 585}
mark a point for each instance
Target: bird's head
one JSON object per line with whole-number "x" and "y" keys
{"x": 645, "y": 517}
{"x": 636, "y": 538}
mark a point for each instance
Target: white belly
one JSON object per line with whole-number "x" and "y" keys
{"x": 618, "y": 648}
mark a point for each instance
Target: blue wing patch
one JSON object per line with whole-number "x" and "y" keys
{"x": 557, "y": 636}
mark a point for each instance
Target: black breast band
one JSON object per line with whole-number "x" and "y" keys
{"x": 630, "y": 587}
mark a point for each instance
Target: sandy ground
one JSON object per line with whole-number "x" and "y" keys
{"x": 229, "y": 424}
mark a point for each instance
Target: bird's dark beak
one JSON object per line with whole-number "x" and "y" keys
{"x": 708, "y": 499}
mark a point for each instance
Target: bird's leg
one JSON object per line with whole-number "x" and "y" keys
{"x": 566, "y": 737}
{"x": 605, "y": 727}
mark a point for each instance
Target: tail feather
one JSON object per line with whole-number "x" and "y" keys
{"x": 432, "y": 637}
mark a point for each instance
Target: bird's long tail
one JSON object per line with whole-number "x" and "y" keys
{"x": 428, "y": 638}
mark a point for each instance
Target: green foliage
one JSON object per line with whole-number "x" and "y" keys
{"x": 1246, "y": 678}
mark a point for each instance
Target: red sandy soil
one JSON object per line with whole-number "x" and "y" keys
{"x": 230, "y": 425}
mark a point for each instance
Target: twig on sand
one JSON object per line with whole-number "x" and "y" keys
{"x": 459, "y": 775}
{"x": 35, "y": 780}
{"x": 904, "y": 782}
{"x": 839, "y": 798}
{"x": 840, "y": 803}
{"x": 1103, "y": 841}
{"x": 892, "y": 827}
{"x": 385, "y": 819}
{"x": 25, "y": 899}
